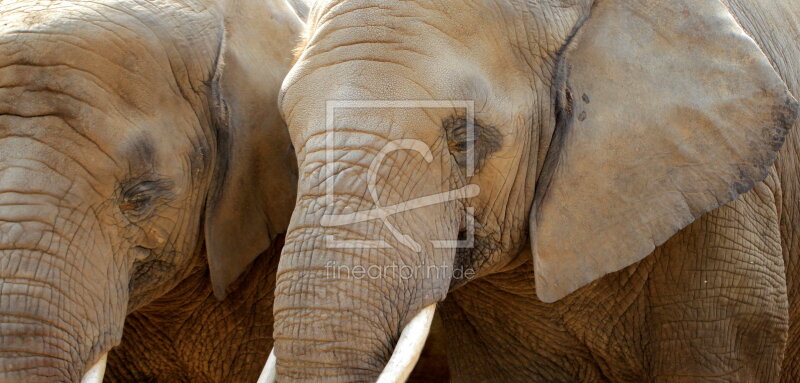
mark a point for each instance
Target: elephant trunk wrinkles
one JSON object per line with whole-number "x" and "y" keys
{"x": 46, "y": 333}
{"x": 36, "y": 341}
{"x": 341, "y": 302}
{"x": 51, "y": 311}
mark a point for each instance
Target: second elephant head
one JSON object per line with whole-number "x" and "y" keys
{"x": 574, "y": 135}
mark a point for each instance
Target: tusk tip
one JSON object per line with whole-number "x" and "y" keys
{"x": 270, "y": 369}
{"x": 409, "y": 347}
{"x": 97, "y": 371}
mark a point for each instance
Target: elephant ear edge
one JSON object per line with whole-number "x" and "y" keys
{"x": 301, "y": 7}
{"x": 254, "y": 184}
{"x": 665, "y": 111}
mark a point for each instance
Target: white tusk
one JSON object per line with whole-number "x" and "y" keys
{"x": 269, "y": 372}
{"x": 408, "y": 348}
{"x": 95, "y": 374}
{"x": 404, "y": 358}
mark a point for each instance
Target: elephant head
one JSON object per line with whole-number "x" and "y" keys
{"x": 573, "y": 135}
{"x": 130, "y": 134}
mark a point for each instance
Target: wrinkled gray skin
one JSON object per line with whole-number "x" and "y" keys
{"x": 128, "y": 129}
{"x": 712, "y": 303}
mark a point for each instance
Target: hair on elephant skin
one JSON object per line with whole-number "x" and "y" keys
{"x": 141, "y": 152}
{"x": 623, "y": 174}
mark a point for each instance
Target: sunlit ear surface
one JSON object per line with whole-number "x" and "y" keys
{"x": 667, "y": 109}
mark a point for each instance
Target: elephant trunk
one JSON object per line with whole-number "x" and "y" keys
{"x": 55, "y": 316}
{"x": 341, "y": 318}
{"x": 44, "y": 332}
{"x": 362, "y": 259}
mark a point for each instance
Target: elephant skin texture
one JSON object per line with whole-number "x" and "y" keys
{"x": 189, "y": 336}
{"x": 628, "y": 183}
{"x": 133, "y": 135}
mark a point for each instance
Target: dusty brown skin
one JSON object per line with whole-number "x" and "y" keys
{"x": 604, "y": 129}
{"x": 190, "y": 336}
{"x": 783, "y": 20}
{"x": 132, "y": 132}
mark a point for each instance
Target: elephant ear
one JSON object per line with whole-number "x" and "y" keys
{"x": 255, "y": 178}
{"x": 301, "y": 7}
{"x": 665, "y": 110}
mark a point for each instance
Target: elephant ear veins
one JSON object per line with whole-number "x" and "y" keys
{"x": 666, "y": 110}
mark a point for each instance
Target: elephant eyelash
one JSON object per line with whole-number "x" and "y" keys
{"x": 139, "y": 200}
{"x": 134, "y": 204}
{"x": 485, "y": 141}
{"x": 456, "y": 129}
{"x": 457, "y": 146}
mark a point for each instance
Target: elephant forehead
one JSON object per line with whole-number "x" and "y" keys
{"x": 133, "y": 51}
{"x": 115, "y": 74}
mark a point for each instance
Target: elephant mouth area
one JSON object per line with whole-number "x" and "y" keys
{"x": 479, "y": 251}
{"x": 485, "y": 248}
{"x": 148, "y": 275}
{"x": 147, "y": 271}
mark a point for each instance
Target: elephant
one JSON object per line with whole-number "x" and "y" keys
{"x": 187, "y": 335}
{"x": 177, "y": 338}
{"x": 141, "y": 152}
{"x": 584, "y": 190}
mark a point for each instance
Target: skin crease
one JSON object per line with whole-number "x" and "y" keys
{"x": 121, "y": 123}
{"x": 712, "y": 303}
{"x": 187, "y": 335}
{"x": 784, "y": 19}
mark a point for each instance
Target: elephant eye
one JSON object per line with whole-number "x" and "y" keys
{"x": 457, "y": 146}
{"x": 457, "y": 135}
{"x": 484, "y": 141}
{"x": 137, "y": 201}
